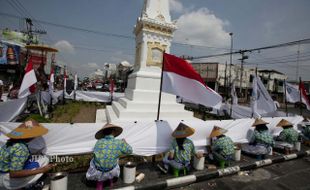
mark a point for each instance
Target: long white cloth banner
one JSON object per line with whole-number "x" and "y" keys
{"x": 87, "y": 96}
{"x": 239, "y": 112}
{"x": 12, "y": 108}
{"x": 146, "y": 137}
{"x": 95, "y": 96}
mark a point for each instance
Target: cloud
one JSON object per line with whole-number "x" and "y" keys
{"x": 64, "y": 46}
{"x": 92, "y": 65}
{"x": 176, "y": 6}
{"x": 202, "y": 27}
{"x": 120, "y": 56}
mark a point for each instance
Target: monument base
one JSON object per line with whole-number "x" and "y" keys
{"x": 141, "y": 99}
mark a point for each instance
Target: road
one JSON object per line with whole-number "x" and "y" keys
{"x": 290, "y": 175}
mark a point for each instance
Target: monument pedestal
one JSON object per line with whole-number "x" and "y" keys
{"x": 141, "y": 99}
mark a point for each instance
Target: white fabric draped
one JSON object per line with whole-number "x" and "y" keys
{"x": 12, "y": 108}
{"x": 146, "y": 137}
{"x": 239, "y": 112}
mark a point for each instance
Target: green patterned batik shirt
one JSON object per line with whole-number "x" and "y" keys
{"x": 224, "y": 146}
{"x": 13, "y": 158}
{"x": 182, "y": 156}
{"x": 307, "y": 131}
{"x": 289, "y": 135}
{"x": 263, "y": 137}
{"x": 107, "y": 151}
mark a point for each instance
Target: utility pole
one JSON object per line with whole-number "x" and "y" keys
{"x": 243, "y": 57}
{"x": 225, "y": 81}
{"x": 230, "y": 62}
{"x": 29, "y": 31}
{"x": 297, "y": 67}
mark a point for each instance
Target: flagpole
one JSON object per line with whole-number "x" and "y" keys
{"x": 225, "y": 81}
{"x": 161, "y": 85}
{"x": 285, "y": 98}
{"x": 64, "y": 89}
{"x": 75, "y": 87}
{"x": 300, "y": 99}
{"x": 252, "y": 89}
{"x": 231, "y": 101}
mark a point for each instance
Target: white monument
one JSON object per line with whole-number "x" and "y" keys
{"x": 154, "y": 32}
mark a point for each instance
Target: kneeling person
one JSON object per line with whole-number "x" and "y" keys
{"x": 17, "y": 168}
{"x": 288, "y": 135}
{"x": 261, "y": 141}
{"x": 181, "y": 149}
{"x": 104, "y": 165}
{"x": 222, "y": 148}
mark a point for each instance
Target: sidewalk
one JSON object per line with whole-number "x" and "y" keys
{"x": 154, "y": 179}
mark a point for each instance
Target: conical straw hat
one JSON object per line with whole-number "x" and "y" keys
{"x": 102, "y": 132}
{"x": 27, "y": 130}
{"x": 217, "y": 131}
{"x": 183, "y": 131}
{"x": 259, "y": 122}
{"x": 305, "y": 119}
{"x": 284, "y": 123}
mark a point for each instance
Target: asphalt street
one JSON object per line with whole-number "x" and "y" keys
{"x": 289, "y": 175}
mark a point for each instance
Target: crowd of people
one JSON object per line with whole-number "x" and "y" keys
{"x": 16, "y": 159}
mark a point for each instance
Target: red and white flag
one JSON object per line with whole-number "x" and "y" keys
{"x": 180, "y": 78}
{"x": 27, "y": 87}
{"x": 111, "y": 86}
{"x": 65, "y": 80}
{"x": 304, "y": 97}
{"x": 293, "y": 94}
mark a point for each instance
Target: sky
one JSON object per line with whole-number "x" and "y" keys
{"x": 203, "y": 29}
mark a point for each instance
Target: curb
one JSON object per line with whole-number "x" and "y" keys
{"x": 173, "y": 182}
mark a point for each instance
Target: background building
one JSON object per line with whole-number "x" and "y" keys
{"x": 220, "y": 78}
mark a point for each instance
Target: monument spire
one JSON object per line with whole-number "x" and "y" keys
{"x": 155, "y": 9}
{"x": 154, "y": 32}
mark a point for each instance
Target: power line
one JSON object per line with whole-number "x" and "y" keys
{"x": 279, "y": 57}
{"x": 279, "y": 62}
{"x": 291, "y": 59}
{"x": 16, "y": 8}
{"x": 108, "y": 34}
{"x": 203, "y": 46}
{"x": 303, "y": 41}
{"x": 28, "y": 14}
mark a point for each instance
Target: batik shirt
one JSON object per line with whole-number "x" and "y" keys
{"x": 224, "y": 146}
{"x": 107, "y": 151}
{"x": 307, "y": 131}
{"x": 289, "y": 135}
{"x": 182, "y": 156}
{"x": 13, "y": 158}
{"x": 263, "y": 137}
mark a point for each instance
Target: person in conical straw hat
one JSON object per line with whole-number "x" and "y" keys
{"x": 16, "y": 162}
{"x": 181, "y": 149}
{"x": 261, "y": 141}
{"x": 222, "y": 147}
{"x": 104, "y": 165}
{"x": 288, "y": 134}
{"x": 305, "y": 129}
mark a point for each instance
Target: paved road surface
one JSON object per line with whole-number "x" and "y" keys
{"x": 290, "y": 175}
